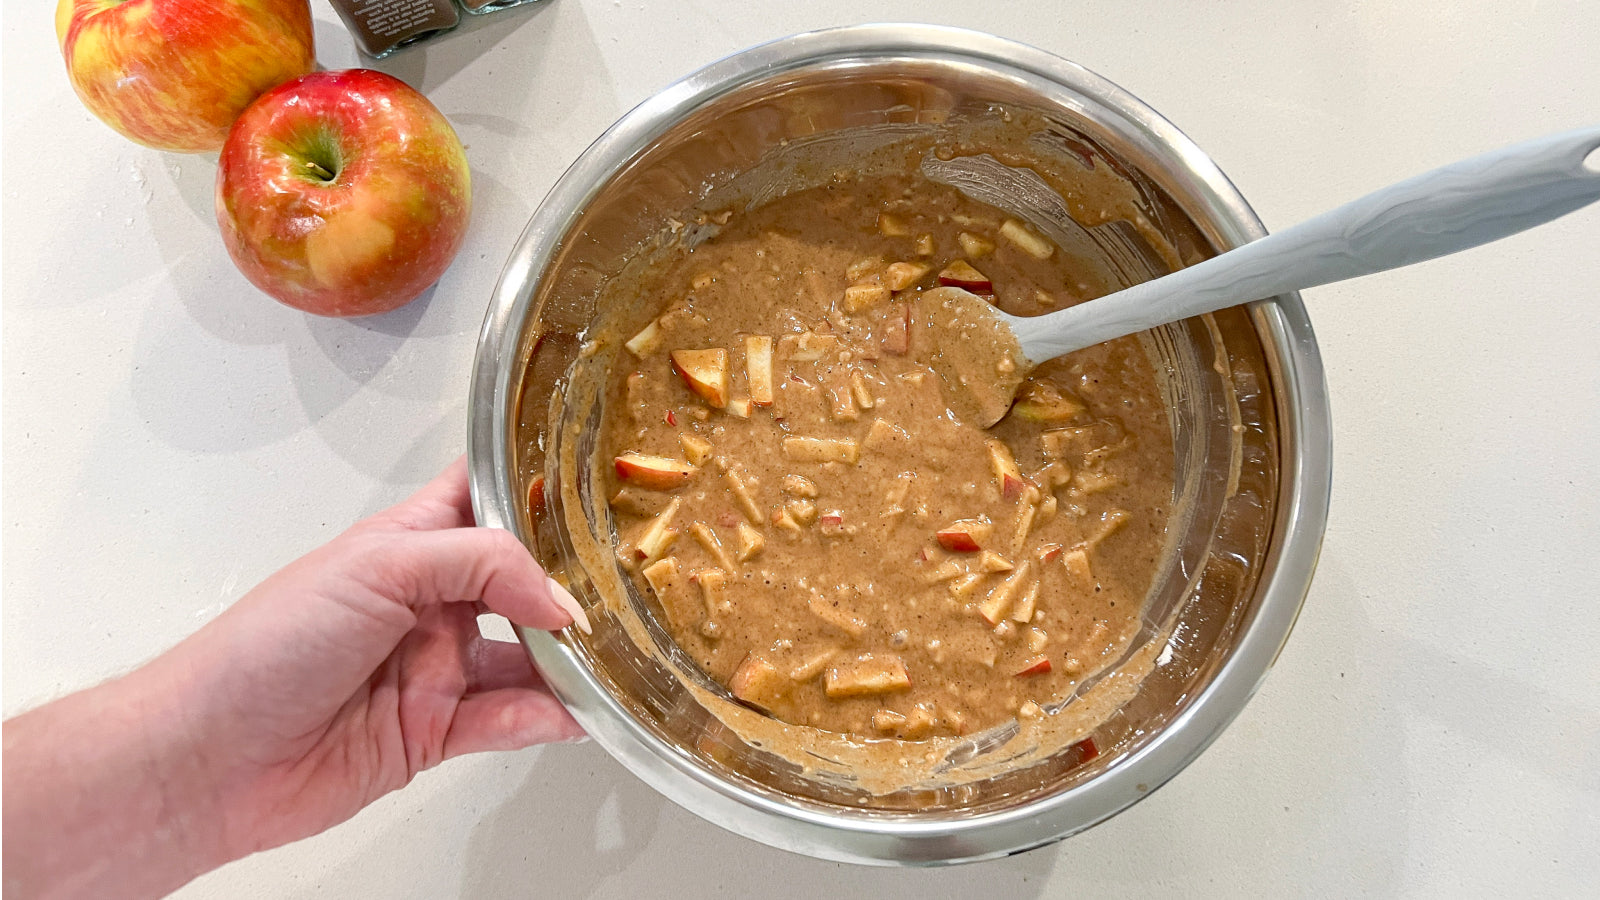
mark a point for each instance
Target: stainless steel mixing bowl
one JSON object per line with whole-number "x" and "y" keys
{"x": 1249, "y": 414}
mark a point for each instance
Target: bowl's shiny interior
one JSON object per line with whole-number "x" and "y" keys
{"x": 1234, "y": 418}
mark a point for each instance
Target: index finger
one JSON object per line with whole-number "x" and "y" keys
{"x": 457, "y": 565}
{"x": 444, "y": 502}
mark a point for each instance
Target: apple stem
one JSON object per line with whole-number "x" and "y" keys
{"x": 320, "y": 172}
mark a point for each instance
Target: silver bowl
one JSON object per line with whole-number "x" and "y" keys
{"x": 1249, "y": 415}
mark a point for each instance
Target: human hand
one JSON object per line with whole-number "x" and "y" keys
{"x": 359, "y": 665}
{"x": 332, "y": 683}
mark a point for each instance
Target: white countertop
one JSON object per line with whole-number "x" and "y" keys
{"x": 171, "y": 436}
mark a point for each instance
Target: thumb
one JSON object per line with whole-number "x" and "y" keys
{"x": 458, "y": 565}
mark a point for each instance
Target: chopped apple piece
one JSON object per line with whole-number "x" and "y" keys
{"x": 807, "y": 346}
{"x": 964, "y": 587}
{"x": 803, "y": 511}
{"x": 990, "y": 561}
{"x": 1047, "y": 552}
{"x": 1055, "y": 476}
{"x": 1038, "y": 665}
{"x": 1110, "y": 521}
{"x": 881, "y": 434}
{"x": 658, "y": 536}
{"x": 831, "y": 522}
{"x": 758, "y": 364}
{"x": 697, "y": 448}
{"x": 813, "y": 666}
{"x": 800, "y": 486}
{"x": 902, "y": 275}
{"x": 784, "y": 519}
{"x": 1046, "y": 404}
{"x": 863, "y": 267}
{"x": 956, "y": 720}
{"x": 740, "y": 407}
{"x": 925, "y": 246}
{"x": 646, "y": 341}
{"x": 1026, "y": 513}
{"x": 964, "y": 275}
{"x": 974, "y": 245}
{"x": 665, "y": 578}
{"x": 943, "y": 572}
{"x": 655, "y": 473}
{"x": 743, "y": 493}
{"x": 993, "y": 608}
{"x": 1026, "y": 239}
{"x": 892, "y": 225}
{"x": 1085, "y": 482}
{"x": 860, "y": 391}
{"x": 836, "y": 616}
{"x": 888, "y": 720}
{"x": 1081, "y": 440}
{"x": 635, "y": 502}
{"x": 750, "y": 542}
{"x": 897, "y": 330}
{"x": 660, "y": 575}
{"x": 1037, "y": 638}
{"x": 965, "y": 535}
{"x": 864, "y": 295}
{"x": 712, "y": 544}
{"x": 919, "y": 722}
{"x": 705, "y": 372}
{"x": 1047, "y": 511}
{"x": 713, "y": 590}
{"x": 1077, "y": 563}
{"x": 867, "y": 674}
{"x": 895, "y": 498}
{"x": 1007, "y": 477}
{"x": 841, "y": 403}
{"x": 821, "y": 450}
{"x": 1023, "y": 611}
{"x": 758, "y": 682}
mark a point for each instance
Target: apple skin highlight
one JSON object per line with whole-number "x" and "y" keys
{"x": 174, "y": 74}
{"x": 343, "y": 193}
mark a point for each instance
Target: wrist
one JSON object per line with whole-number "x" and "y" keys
{"x": 106, "y": 795}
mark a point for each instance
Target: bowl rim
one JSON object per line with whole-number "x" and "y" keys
{"x": 1305, "y": 475}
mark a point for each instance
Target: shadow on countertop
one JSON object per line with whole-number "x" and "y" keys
{"x": 582, "y": 826}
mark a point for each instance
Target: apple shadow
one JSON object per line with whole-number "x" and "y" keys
{"x": 195, "y": 180}
{"x": 125, "y": 178}
{"x": 203, "y": 372}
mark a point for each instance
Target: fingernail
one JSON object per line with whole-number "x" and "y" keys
{"x": 569, "y": 603}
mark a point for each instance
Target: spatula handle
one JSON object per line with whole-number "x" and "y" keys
{"x": 1454, "y": 208}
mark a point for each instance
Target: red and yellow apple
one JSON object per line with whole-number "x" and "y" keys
{"x": 1007, "y": 476}
{"x": 174, "y": 74}
{"x": 655, "y": 473}
{"x": 964, "y": 535}
{"x": 705, "y": 372}
{"x": 1037, "y": 665}
{"x": 963, "y": 275}
{"x": 343, "y": 193}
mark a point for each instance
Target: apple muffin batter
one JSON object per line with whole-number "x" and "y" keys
{"x": 822, "y": 534}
